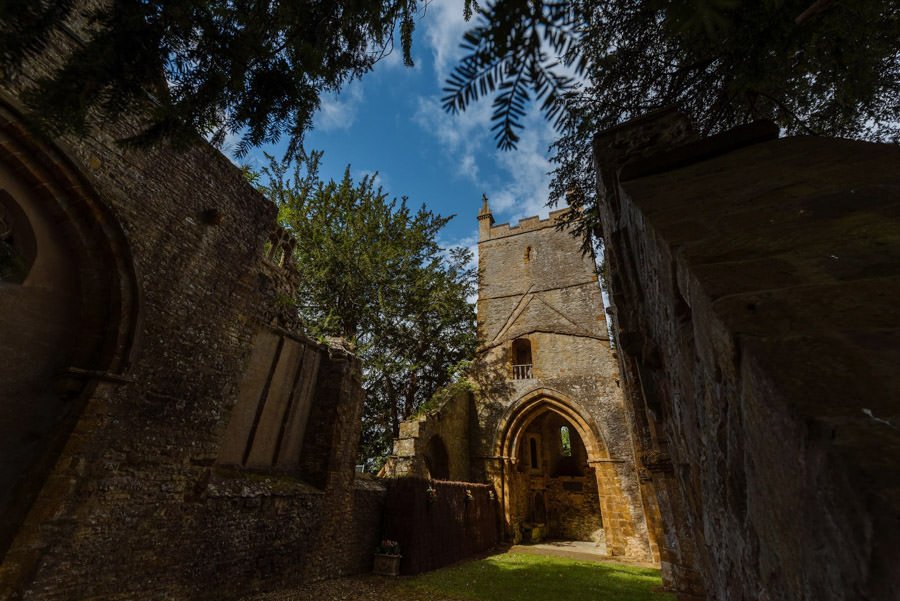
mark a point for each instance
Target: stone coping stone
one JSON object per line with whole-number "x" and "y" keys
{"x": 225, "y": 482}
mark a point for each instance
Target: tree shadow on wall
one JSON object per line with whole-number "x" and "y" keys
{"x": 492, "y": 383}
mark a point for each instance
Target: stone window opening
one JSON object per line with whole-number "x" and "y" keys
{"x": 522, "y": 360}
{"x": 534, "y": 454}
{"x": 528, "y": 254}
{"x": 569, "y": 458}
{"x": 565, "y": 441}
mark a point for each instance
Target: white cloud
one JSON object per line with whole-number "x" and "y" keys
{"x": 526, "y": 187}
{"x": 444, "y": 26}
{"x": 338, "y": 111}
{"x": 469, "y": 167}
{"x": 461, "y": 136}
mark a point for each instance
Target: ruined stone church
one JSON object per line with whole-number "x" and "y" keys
{"x": 546, "y": 424}
{"x": 164, "y": 422}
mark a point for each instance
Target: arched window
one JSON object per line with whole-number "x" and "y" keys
{"x": 522, "y": 362}
{"x": 565, "y": 442}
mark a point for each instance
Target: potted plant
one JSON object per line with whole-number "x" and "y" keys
{"x": 387, "y": 558}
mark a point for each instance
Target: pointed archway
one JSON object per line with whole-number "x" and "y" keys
{"x": 69, "y": 313}
{"x": 540, "y": 479}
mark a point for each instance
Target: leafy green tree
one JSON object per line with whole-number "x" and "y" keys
{"x": 371, "y": 271}
{"x": 213, "y": 67}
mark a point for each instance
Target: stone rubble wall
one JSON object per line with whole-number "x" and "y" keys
{"x": 754, "y": 284}
{"x": 135, "y": 504}
{"x": 451, "y": 423}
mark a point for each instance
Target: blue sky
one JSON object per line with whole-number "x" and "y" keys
{"x": 391, "y": 122}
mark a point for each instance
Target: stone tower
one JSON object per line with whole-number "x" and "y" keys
{"x": 550, "y": 427}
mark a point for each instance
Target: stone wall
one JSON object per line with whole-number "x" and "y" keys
{"x": 132, "y": 490}
{"x": 754, "y": 282}
{"x": 447, "y": 425}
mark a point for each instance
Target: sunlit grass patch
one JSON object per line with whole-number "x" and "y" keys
{"x": 514, "y": 577}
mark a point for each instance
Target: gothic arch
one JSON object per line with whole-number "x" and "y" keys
{"x": 619, "y": 529}
{"x": 533, "y": 404}
{"x": 69, "y": 324}
{"x": 437, "y": 459}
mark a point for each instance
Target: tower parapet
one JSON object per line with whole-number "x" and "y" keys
{"x": 526, "y": 224}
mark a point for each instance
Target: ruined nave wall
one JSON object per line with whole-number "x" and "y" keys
{"x": 132, "y": 489}
{"x": 754, "y": 283}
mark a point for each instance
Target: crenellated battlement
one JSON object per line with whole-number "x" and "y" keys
{"x": 527, "y": 224}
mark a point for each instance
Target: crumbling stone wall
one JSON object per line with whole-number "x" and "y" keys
{"x": 449, "y": 425}
{"x": 754, "y": 283}
{"x": 129, "y": 494}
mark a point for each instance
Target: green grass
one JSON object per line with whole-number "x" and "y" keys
{"x": 518, "y": 577}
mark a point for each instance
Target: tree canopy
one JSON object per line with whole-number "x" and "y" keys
{"x": 818, "y": 66}
{"x": 256, "y": 68}
{"x": 371, "y": 271}
{"x": 813, "y": 66}
{"x": 215, "y": 67}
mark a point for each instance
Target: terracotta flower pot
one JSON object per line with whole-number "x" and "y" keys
{"x": 387, "y": 565}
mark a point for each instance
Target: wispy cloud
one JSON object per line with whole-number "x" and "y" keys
{"x": 517, "y": 182}
{"x": 526, "y": 187}
{"x": 338, "y": 111}
{"x": 444, "y": 28}
{"x": 460, "y": 136}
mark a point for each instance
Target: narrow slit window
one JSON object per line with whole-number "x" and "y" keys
{"x": 534, "y": 453}
{"x": 565, "y": 441}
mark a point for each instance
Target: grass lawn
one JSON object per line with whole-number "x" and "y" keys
{"x": 518, "y": 577}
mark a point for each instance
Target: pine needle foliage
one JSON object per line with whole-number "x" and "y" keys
{"x": 516, "y": 50}
{"x": 254, "y": 69}
{"x": 819, "y": 67}
{"x": 814, "y": 66}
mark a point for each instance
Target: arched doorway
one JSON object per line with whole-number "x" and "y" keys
{"x": 437, "y": 459}
{"x": 68, "y": 310}
{"x": 556, "y": 478}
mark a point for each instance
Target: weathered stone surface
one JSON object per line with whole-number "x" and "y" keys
{"x": 761, "y": 284}
{"x": 536, "y": 286}
{"x": 130, "y": 479}
{"x": 443, "y": 430}
{"x": 544, "y": 364}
